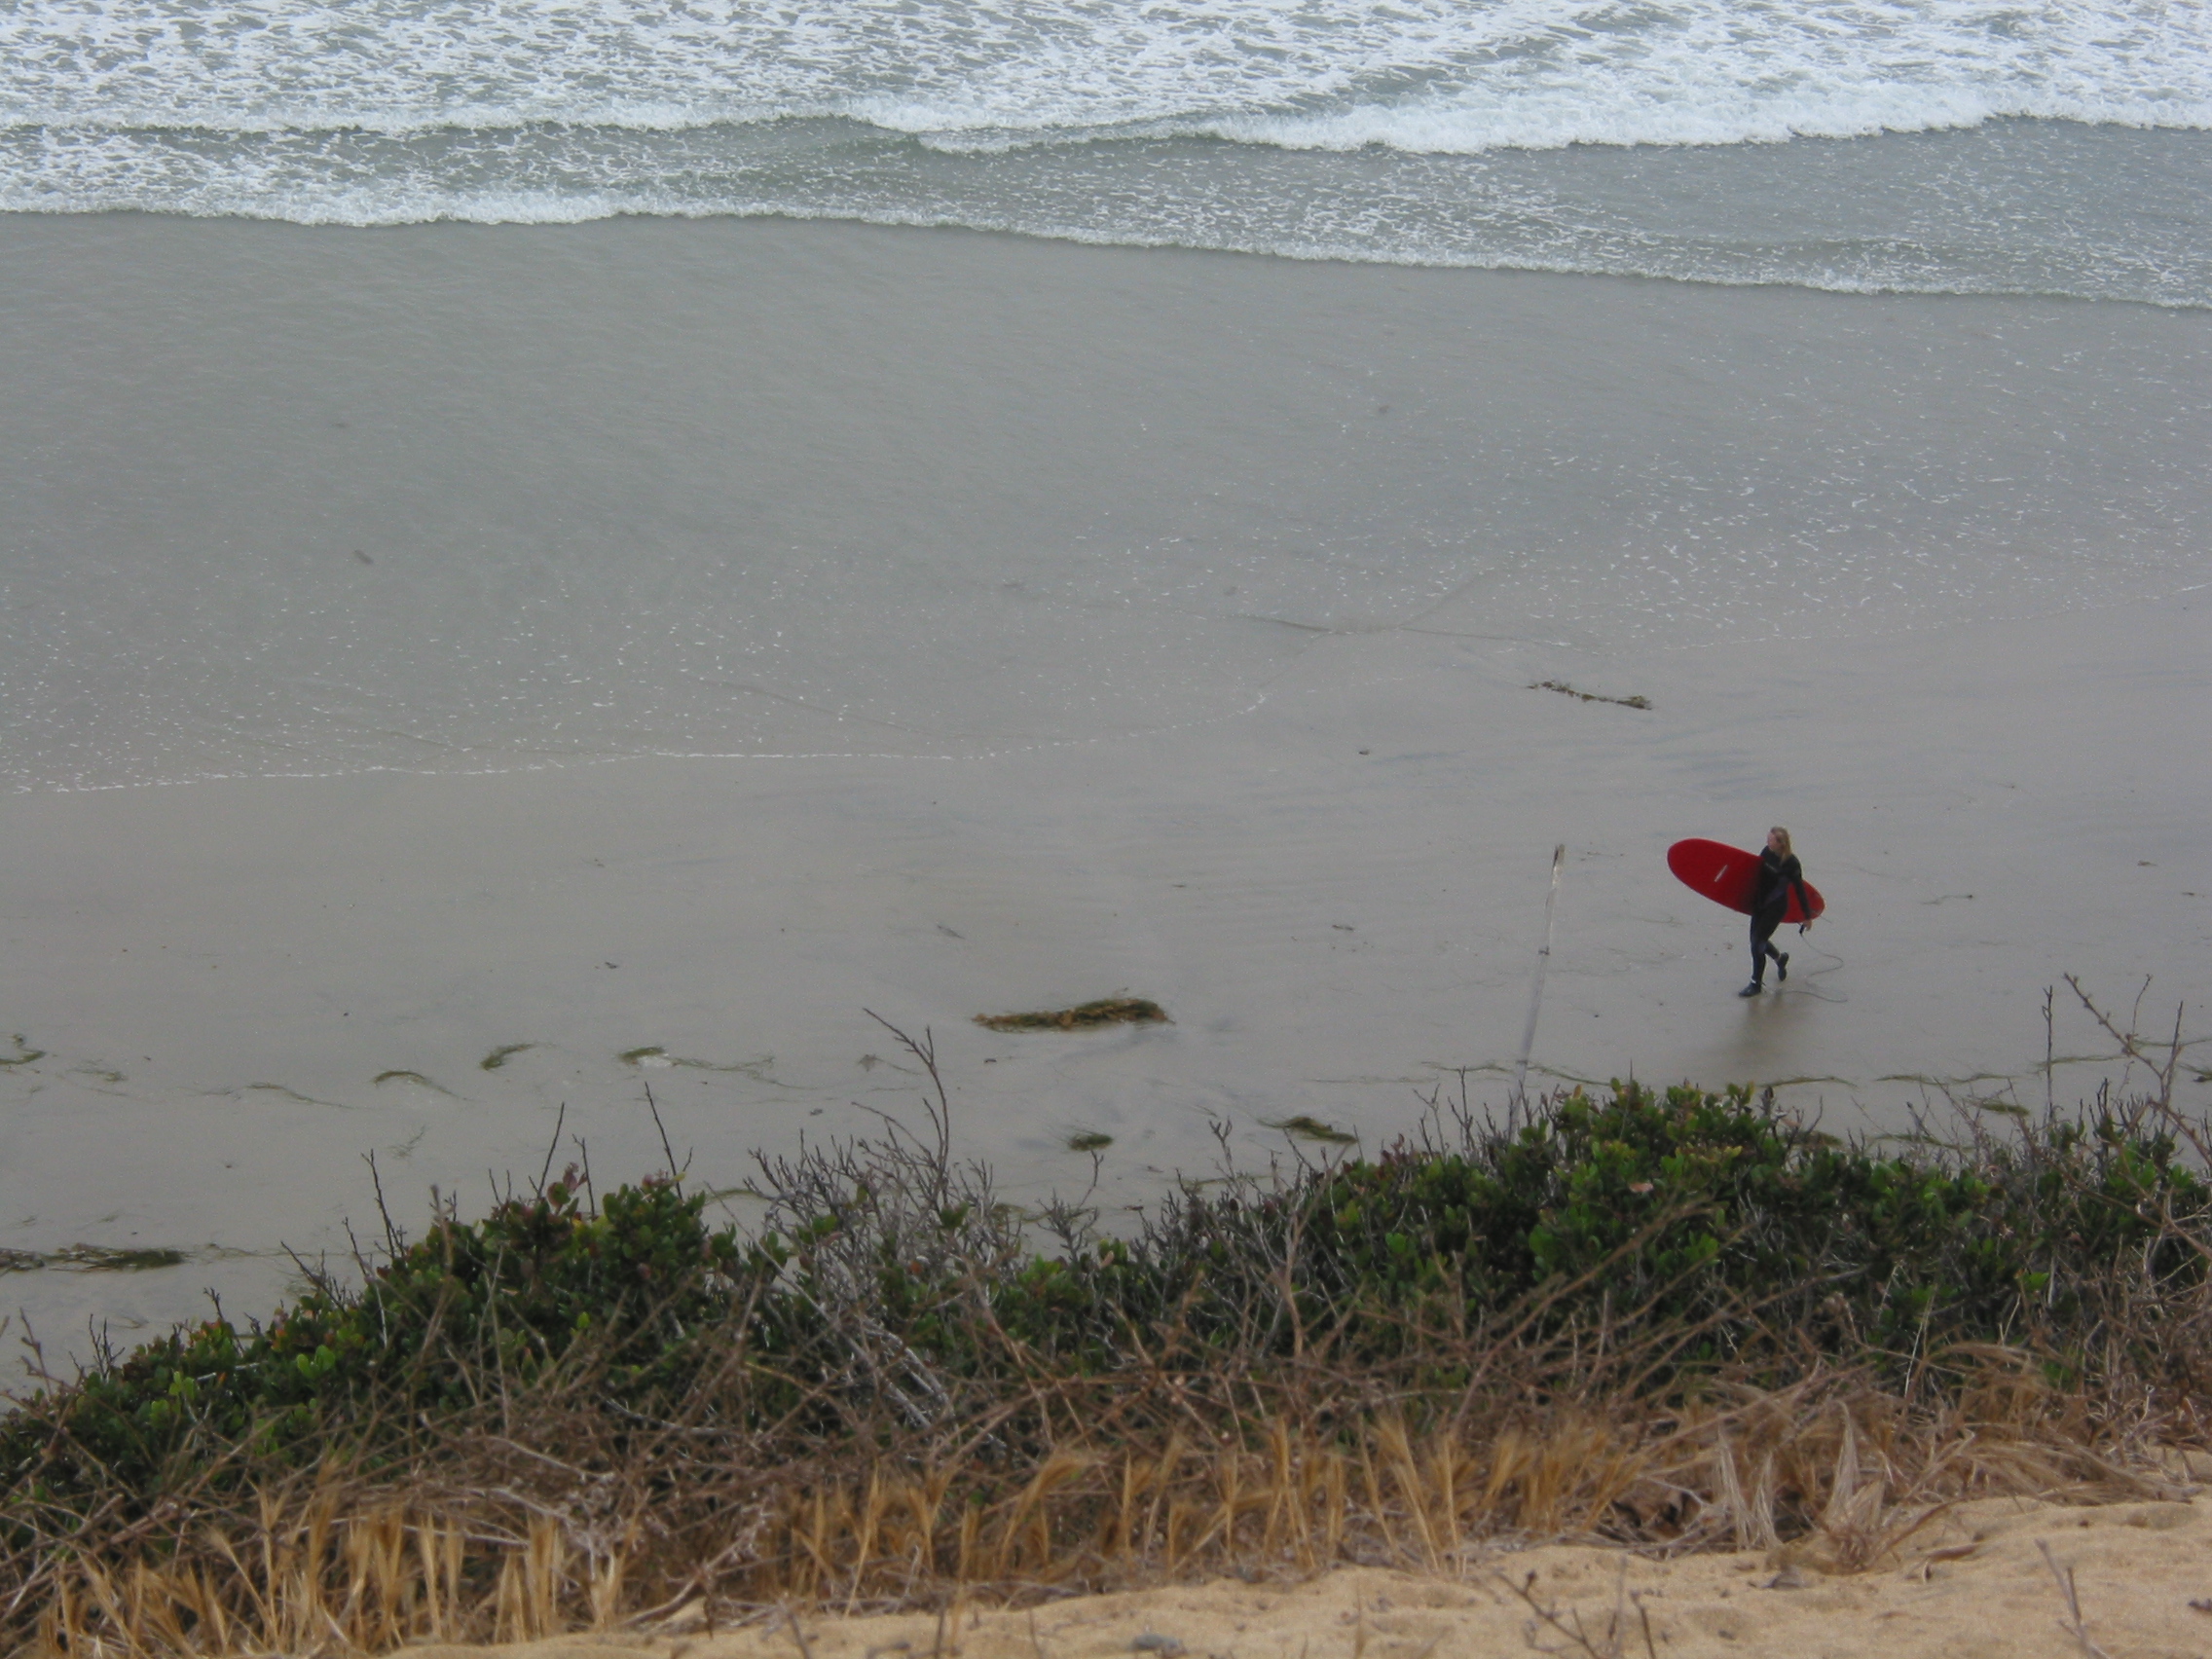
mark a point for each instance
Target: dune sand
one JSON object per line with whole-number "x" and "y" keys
{"x": 1973, "y": 1583}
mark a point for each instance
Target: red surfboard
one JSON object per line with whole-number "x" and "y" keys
{"x": 1729, "y": 875}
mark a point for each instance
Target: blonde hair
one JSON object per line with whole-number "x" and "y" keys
{"x": 1778, "y": 829}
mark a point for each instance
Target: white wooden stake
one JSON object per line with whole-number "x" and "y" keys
{"x": 1518, "y": 1104}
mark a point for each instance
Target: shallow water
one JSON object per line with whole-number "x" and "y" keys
{"x": 289, "y": 501}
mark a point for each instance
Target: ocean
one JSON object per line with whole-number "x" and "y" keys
{"x": 1934, "y": 146}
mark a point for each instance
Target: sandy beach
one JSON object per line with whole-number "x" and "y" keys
{"x": 395, "y": 854}
{"x": 1972, "y": 1584}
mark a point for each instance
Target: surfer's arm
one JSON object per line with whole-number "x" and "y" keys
{"x": 1804, "y": 902}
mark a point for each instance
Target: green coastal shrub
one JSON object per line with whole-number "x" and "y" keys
{"x": 1689, "y": 1207}
{"x": 497, "y": 1302}
{"x": 1749, "y": 1235}
{"x": 891, "y": 1291}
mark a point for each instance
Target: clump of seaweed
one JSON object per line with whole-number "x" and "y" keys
{"x": 1085, "y": 1017}
{"x": 115, "y": 1258}
{"x": 1306, "y": 1127}
{"x": 1636, "y": 702}
{"x": 501, "y": 1055}
{"x": 94, "y": 1259}
{"x": 415, "y": 1076}
{"x": 1089, "y": 1140}
{"x": 655, "y": 1057}
{"x": 1674, "y": 1318}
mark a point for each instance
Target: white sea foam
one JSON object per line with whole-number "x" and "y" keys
{"x": 1332, "y": 128}
{"x": 1426, "y": 75}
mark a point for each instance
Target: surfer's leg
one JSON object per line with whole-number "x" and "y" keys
{"x": 1762, "y": 930}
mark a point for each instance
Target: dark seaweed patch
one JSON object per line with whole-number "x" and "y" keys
{"x": 105, "y": 1259}
{"x": 1085, "y": 1017}
{"x": 414, "y": 1076}
{"x": 1561, "y": 686}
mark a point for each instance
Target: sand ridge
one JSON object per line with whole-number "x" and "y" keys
{"x": 1975, "y": 1583}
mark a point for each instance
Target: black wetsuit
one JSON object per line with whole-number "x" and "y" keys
{"x": 1770, "y": 902}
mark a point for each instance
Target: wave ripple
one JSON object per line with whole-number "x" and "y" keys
{"x": 1414, "y": 130}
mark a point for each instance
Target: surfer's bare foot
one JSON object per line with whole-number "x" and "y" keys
{"x": 1752, "y": 990}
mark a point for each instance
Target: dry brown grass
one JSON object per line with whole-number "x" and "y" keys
{"x": 1830, "y": 1475}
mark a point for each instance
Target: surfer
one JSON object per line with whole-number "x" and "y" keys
{"x": 1779, "y": 872}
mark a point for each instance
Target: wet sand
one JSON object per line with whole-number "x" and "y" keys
{"x": 1312, "y": 819}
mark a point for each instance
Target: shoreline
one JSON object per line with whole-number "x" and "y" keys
{"x": 1497, "y": 208}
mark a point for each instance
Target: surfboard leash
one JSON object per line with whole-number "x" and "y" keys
{"x": 1803, "y": 980}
